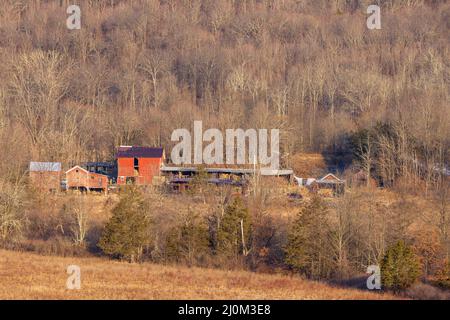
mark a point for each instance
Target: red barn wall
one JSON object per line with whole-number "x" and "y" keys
{"x": 125, "y": 167}
{"x": 76, "y": 179}
{"x": 97, "y": 181}
{"x": 46, "y": 180}
{"x": 88, "y": 180}
{"x": 148, "y": 168}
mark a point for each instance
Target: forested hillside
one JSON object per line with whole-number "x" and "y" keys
{"x": 139, "y": 69}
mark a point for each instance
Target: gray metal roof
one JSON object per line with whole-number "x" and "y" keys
{"x": 45, "y": 166}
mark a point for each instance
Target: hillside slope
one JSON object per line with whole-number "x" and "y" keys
{"x": 31, "y": 276}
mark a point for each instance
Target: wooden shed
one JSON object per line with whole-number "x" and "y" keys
{"x": 329, "y": 182}
{"x": 81, "y": 179}
{"x": 138, "y": 165}
{"x": 45, "y": 176}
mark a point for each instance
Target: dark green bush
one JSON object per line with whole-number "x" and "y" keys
{"x": 127, "y": 232}
{"x": 400, "y": 267}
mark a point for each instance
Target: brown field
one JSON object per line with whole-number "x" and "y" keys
{"x": 31, "y": 276}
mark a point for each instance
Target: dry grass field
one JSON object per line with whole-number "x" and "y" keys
{"x": 31, "y": 276}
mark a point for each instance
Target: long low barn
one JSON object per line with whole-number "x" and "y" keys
{"x": 180, "y": 177}
{"x": 232, "y": 171}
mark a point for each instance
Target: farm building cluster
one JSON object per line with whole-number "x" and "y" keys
{"x": 146, "y": 166}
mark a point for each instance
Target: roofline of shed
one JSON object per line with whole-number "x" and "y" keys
{"x": 86, "y": 171}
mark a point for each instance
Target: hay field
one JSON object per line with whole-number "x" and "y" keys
{"x": 32, "y": 276}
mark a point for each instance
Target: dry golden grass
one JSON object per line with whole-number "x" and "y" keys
{"x": 308, "y": 165}
{"x": 31, "y": 276}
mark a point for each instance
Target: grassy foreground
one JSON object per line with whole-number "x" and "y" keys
{"x": 31, "y": 276}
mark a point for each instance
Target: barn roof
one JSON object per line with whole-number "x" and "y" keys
{"x": 84, "y": 170}
{"x": 45, "y": 166}
{"x": 330, "y": 178}
{"x": 139, "y": 152}
{"x": 77, "y": 167}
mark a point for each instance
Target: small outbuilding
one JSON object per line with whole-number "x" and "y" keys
{"x": 360, "y": 179}
{"x": 329, "y": 182}
{"x": 81, "y": 179}
{"x": 45, "y": 176}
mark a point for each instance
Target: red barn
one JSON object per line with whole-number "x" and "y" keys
{"x": 81, "y": 179}
{"x": 45, "y": 176}
{"x": 138, "y": 165}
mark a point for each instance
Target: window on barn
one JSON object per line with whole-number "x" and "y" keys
{"x": 136, "y": 166}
